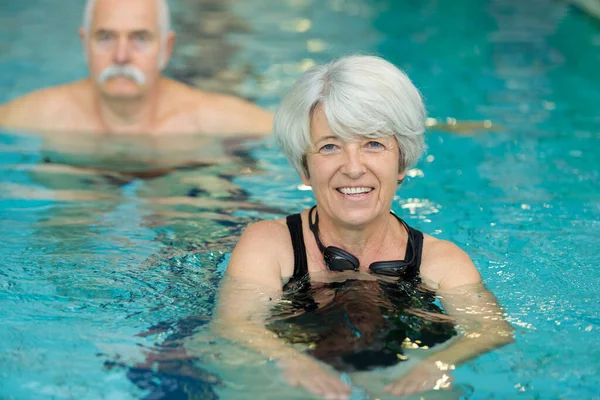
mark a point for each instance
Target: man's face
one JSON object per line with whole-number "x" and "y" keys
{"x": 124, "y": 46}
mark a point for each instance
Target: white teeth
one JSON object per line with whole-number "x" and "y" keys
{"x": 354, "y": 190}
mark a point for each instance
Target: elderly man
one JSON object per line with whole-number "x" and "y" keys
{"x": 128, "y": 44}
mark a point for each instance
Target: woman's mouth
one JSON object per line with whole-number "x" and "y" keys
{"x": 354, "y": 191}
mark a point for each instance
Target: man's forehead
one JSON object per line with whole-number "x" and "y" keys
{"x": 125, "y": 15}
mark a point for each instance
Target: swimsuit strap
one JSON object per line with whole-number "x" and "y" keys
{"x": 413, "y": 269}
{"x": 294, "y": 223}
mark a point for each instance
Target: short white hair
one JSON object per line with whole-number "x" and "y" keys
{"x": 360, "y": 95}
{"x": 164, "y": 22}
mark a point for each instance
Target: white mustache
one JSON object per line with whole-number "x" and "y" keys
{"x": 126, "y": 71}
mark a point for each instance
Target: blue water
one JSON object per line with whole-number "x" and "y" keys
{"x": 88, "y": 266}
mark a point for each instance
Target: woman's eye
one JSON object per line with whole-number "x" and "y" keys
{"x": 374, "y": 145}
{"x": 328, "y": 148}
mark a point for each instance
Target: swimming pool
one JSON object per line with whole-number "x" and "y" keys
{"x": 99, "y": 276}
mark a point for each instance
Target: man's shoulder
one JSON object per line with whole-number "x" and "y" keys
{"x": 37, "y": 107}
{"x": 219, "y": 113}
{"x": 48, "y": 96}
{"x": 237, "y": 115}
{"x": 196, "y": 98}
{"x": 229, "y": 103}
{"x": 178, "y": 92}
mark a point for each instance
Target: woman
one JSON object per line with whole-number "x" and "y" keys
{"x": 352, "y": 128}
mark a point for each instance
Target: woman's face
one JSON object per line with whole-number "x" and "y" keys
{"x": 353, "y": 182}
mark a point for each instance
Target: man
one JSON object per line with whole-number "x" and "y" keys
{"x": 127, "y": 45}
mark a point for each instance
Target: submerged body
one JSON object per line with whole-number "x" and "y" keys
{"x": 359, "y": 325}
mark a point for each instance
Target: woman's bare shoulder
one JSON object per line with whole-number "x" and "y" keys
{"x": 271, "y": 229}
{"x": 264, "y": 250}
{"x": 445, "y": 265}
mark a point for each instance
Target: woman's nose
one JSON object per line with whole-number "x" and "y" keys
{"x": 354, "y": 165}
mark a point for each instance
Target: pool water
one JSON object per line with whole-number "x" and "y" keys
{"x": 105, "y": 278}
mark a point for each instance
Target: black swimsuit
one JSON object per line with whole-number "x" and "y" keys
{"x": 294, "y": 223}
{"x": 364, "y": 324}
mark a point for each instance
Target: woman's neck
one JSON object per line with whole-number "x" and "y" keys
{"x": 378, "y": 240}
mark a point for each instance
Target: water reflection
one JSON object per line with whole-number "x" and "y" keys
{"x": 359, "y": 325}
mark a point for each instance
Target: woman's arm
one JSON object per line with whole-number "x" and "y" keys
{"x": 252, "y": 285}
{"x": 475, "y": 310}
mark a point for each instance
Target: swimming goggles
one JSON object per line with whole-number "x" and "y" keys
{"x": 337, "y": 259}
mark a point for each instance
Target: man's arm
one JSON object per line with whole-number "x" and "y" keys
{"x": 477, "y": 315}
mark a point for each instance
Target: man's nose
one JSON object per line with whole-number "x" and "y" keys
{"x": 122, "y": 52}
{"x": 354, "y": 163}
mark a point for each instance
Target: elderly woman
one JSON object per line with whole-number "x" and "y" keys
{"x": 352, "y": 128}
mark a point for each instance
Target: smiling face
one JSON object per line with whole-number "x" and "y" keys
{"x": 353, "y": 182}
{"x": 124, "y": 47}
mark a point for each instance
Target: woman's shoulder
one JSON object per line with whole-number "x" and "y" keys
{"x": 265, "y": 235}
{"x": 264, "y": 249}
{"x": 266, "y": 227}
{"x": 445, "y": 265}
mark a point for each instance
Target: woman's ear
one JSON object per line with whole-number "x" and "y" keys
{"x": 401, "y": 177}
{"x": 305, "y": 180}
{"x": 304, "y": 174}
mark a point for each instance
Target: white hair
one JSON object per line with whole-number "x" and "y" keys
{"x": 360, "y": 95}
{"x": 164, "y": 24}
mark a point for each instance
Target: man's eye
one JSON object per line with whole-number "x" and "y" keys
{"x": 103, "y": 36}
{"x": 141, "y": 37}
